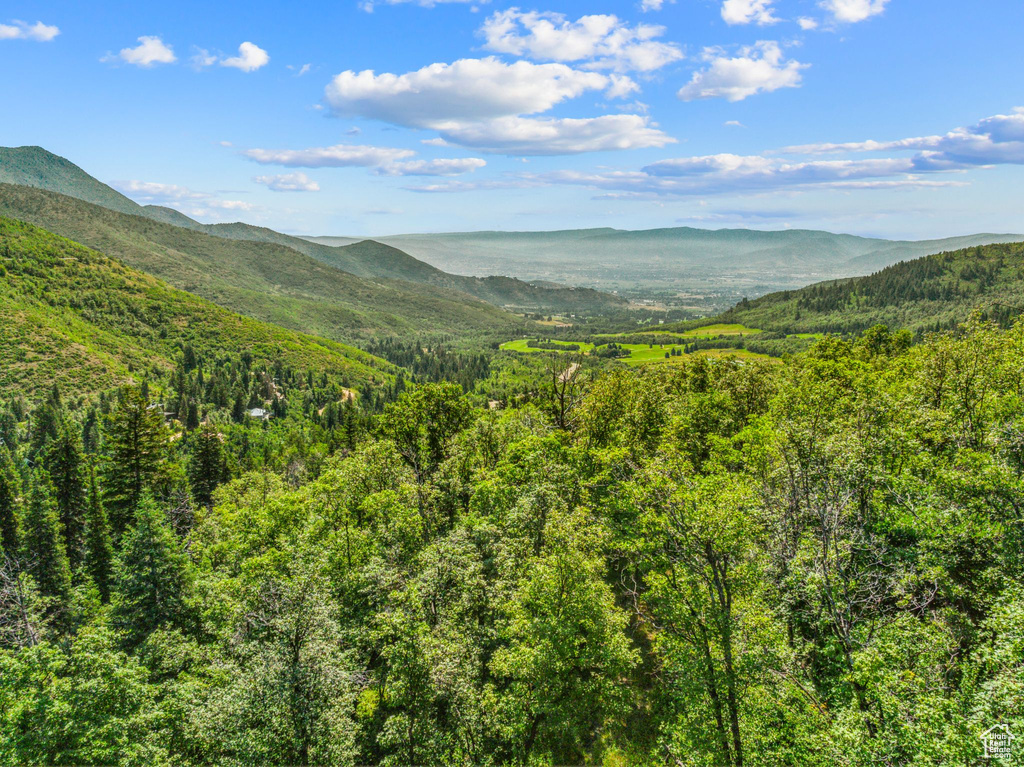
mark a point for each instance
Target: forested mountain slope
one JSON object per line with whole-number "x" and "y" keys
{"x": 264, "y": 280}
{"x": 931, "y": 293}
{"x": 74, "y": 317}
{"x": 36, "y": 167}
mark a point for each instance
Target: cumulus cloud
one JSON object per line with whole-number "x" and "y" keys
{"x": 748, "y": 11}
{"x": 443, "y": 167}
{"x": 288, "y": 182}
{"x": 250, "y": 58}
{"x": 338, "y": 156}
{"x": 807, "y": 23}
{"x": 554, "y": 136}
{"x": 231, "y": 205}
{"x": 853, "y": 11}
{"x": 651, "y": 5}
{"x": 465, "y": 90}
{"x": 482, "y": 104}
{"x": 995, "y": 140}
{"x": 180, "y": 198}
{"x": 151, "y": 191}
{"x": 202, "y": 58}
{"x": 600, "y": 41}
{"x": 20, "y": 30}
{"x": 150, "y": 50}
{"x": 759, "y": 68}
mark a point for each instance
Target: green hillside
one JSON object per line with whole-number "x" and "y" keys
{"x": 369, "y": 258}
{"x": 931, "y": 293}
{"x": 264, "y": 280}
{"x": 72, "y": 316}
{"x": 34, "y": 166}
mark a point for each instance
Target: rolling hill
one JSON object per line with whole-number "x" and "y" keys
{"x": 932, "y": 293}
{"x": 267, "y": 281}
{"x": 72, "y": 316}
{"x": 38, "y": 168}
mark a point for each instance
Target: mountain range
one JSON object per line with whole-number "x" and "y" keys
{"x": 711, "y": 269}
{"x": 36, "y": 168}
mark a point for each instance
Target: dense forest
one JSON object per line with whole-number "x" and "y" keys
{"x": 710, "y": 562}
{"x": 928, "y": 294}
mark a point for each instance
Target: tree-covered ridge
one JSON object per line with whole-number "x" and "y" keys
{"x": 932, "y": 293}
{"x": 72, "y": 316}
{"x": 38, "y": 168}
{"x": 264, "y": 280}
{"x": 711, "y": 563}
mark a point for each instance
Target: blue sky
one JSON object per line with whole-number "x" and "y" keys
{"x": 898, "y": 118}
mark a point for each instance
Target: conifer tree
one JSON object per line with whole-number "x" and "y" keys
{"x": 99, "y": 551}
{"x": 46, "y": 419}
{"x": 207, "y": 468}
{"x": 42, "y": 546}
{"x": 136, "y": 448}
{"x": 9, "y": 491}
{"x": 8, "y": 430}
{"x": 63, "y": 461}
{"x": 152, "y": 575}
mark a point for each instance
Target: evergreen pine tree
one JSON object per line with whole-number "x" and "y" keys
{"x": 136, "y": 447}
{"x": 9, "y": 491}
{"x": 42, "y": 546}
{"x": 207, "y": 467}
{"x": 152, "y": 575}
{"x": 46, "y": 419}
{"x": 99, "y": 551}
{"x": 63, "y": 461}
{"x": 8, "y": 430}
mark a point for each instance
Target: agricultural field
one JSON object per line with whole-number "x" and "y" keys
{"x": 522, "y": 345}
{"x": 639, "y": 354}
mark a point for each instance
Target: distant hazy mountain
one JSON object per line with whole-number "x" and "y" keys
{"x": 731, "y": 262}
{"x": 36, "y": 167}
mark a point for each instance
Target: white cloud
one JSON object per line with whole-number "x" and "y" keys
{"x": 368, "y": 5}
{"x": 181, "y": 198}
{"x": 651, "y": 5}
{"x": 553, "y": 136}
{"x": 443, "y": 167}
{"x": 20, "y": 30}
{"x": 465, "y": 90}
{"x": 807, "y": 23}
{"x": 250, "y": 58}
{"x": 202, "y": 58}
{"x": 289, "y": 182}
{"x": 339, "y": 156}
{"x": 150, "y": 50}
{"x": 733, "y": 124}
{"x": 747, "y": 11}
{"x": 151, "y": 191}
{"x": 759, "y": 68}
{"x": 853, "y": 11}
{"x": 231, "y": 205}
{"x": 602, "y": 41}
{"x": 995, "y": 140}
{"x": 481, "y": 103}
